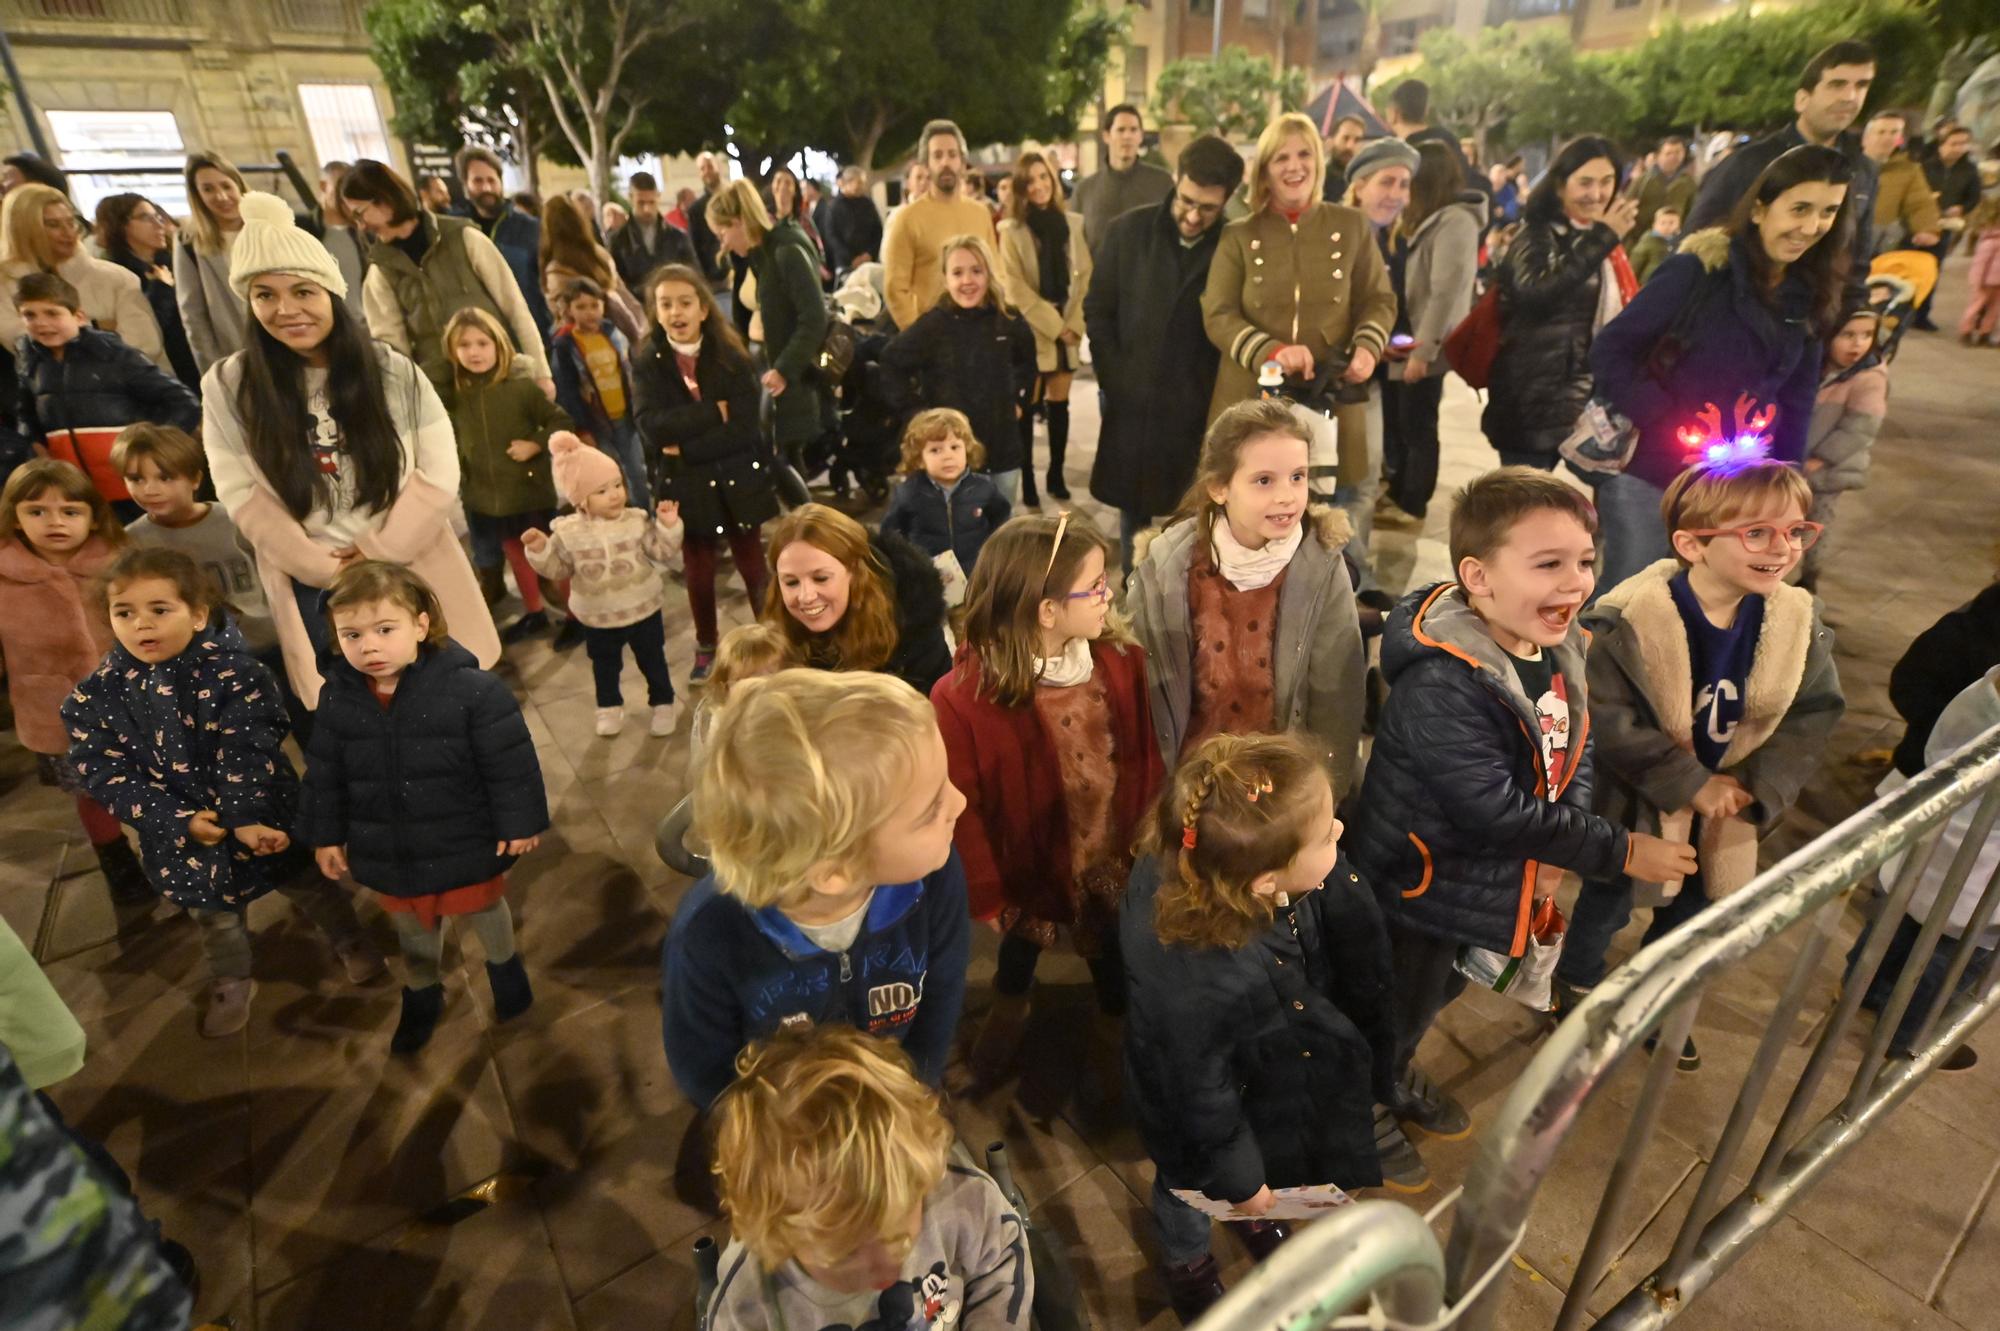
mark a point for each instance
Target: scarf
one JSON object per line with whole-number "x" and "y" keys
{"x": 1073, "y": 667}
{"x": 1616, "y": 285}
{"x": 686, "y": 356}
{"x": 1050, "y": 228}
{"x": 1248, "y": 569}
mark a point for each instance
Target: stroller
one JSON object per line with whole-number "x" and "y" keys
{"x": 860, "y": 448}
{"x": 1898, "y": 282}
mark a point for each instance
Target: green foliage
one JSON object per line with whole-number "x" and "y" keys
{"x": 1230, "y": 95}
{"x": 441, "y": 72}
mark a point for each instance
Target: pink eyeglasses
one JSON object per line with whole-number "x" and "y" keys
{"x": 1765, "y": 535}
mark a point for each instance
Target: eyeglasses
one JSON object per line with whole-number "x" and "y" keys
{"x": 1096, "y": 591}
{"x": 1764, "y": 535}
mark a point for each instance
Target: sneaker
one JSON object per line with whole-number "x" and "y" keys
{"x": 228, "y": 1007}
{"x": 1690, "y": 1059}
{"x": 1403, "y": 1170}
{"x": 609, "y": 719}
{"x": 360, "y": 960}
{"x": 1418, "y": 1100}
{"x": 704, "y": 661}
{"x": 664, "y": 717}
{"x": 569, "y": 635}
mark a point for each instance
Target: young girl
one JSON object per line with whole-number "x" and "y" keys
{"x": 614, "y": 556}
{"x": 503, "y": 423}
{"x": 1049, "y": 739}
{"x": 748, "y": 651}
{"x": 1982, "y": 230}
{"x": 180, "y": 733}
{"x": 422, "y": 783}
{"x": 1260, "y": 1034}
{"x": 974, "y": 353}
{"x": 56, "y": 533}
{"x": 941, "y": 508}
{"x": 1243, "y": 603}
{"x": 1853, "y": 398}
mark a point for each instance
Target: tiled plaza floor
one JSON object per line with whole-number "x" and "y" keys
{"x": 518, "y": 1178}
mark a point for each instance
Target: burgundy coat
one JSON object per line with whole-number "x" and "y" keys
{"x": 1014, "y": 834}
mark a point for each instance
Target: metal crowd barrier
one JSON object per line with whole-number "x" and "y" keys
{"x": 1314, "y": 1283}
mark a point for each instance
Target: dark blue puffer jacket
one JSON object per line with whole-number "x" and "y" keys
{"x": 101, "y": 381}
{"x": 1455, "y": 815}
{"x": 921, "y": 512}
{"x": 422, "y": 790}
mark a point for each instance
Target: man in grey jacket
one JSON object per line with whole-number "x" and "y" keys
{"x": 1123, "y": 182}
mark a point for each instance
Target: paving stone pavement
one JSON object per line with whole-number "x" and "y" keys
{"x": 520, "y": 1176}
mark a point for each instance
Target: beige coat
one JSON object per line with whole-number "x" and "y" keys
{"x": 1020, "y": 276}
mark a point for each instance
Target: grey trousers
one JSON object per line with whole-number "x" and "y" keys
{"x": 423, "y": 949}
{"x": 226, "y": 939}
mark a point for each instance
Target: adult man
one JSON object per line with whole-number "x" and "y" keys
{"x": 1669, "y": 183}
{"x": 1155, "y": 363}
{"x": 648, "y": 239}
{"x": 1906, "y": 207}
{"x": 1955, "y": 177}
{"x": 1408, "y": 119}
{"x": 1341, "y": 145}
{"x": 707, "y": 249}
{"x": 913, "y": 252}
{"x": 853, "y": 233}
{"x": 433, "y": 192}
{"x": 1123, "y": 182}
{"x": 516, "y": 235}
{"x": 341, "y": 235}
{"x": 819, "y": 207}
{"x": 1832, "y": 87}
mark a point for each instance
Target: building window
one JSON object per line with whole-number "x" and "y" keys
{"x": 1260, "y": 9}
{"x": 345, "y": 121}
{"x": 1626, "y": 4}
{"x": 112, "y": 152}
{"x": 1137, "y": 71}
{"x": 1502, "y": 11}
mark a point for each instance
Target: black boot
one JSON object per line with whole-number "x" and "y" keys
{"x": 1026, "y": 424}
{"x": 511, "y": 993}
{"x": 492, "y": 583}
{"x": 1058, "y": 418}
{"x": 1193, "y": 1288}
{"x": 123, "y": 875}
{"x": 1260, "y": 1238}
{"x": 421, "y": 1010}
{"x": 527, "y": 626}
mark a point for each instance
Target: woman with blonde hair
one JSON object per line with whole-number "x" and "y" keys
{"x": 211, "y": 311}
{"x": 851, "y": 599}
{"x": 1045, "y": 268}
{"x": 569, "y": 251}
{"x": 40, "y": 233}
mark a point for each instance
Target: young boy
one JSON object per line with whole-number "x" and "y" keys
{"x": 1478, "y": 790}
{"x": 1713, "y": 691}
{"x": 162, "y": 467}
{"x": 945, "y": 507}
{"x": 593, "y": 372}
{"x": 844, "y": 1210}
{"x": 1659, "y": 242}
{"x": 79, "y": 385}
{"x": 836, "y": 896}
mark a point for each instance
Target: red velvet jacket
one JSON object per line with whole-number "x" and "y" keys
{"x": 1014, "y": 834}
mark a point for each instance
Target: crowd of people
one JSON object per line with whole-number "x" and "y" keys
{"x": 270, "y": 472}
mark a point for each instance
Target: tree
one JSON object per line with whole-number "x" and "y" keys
{"x": 450, "y": 85}
{"x": 1231, "y": 94}
{"x": 1478, "y": 86}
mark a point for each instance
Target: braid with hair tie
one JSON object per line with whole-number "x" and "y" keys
{"x": 1204, "y": 788}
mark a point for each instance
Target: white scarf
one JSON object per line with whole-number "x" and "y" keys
{"x": 686, "y": 348}
{"x": 1248, "y": 569}
{"x": 1073, "y": 667}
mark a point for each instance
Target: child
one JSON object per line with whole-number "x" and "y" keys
{"x": 1853, "y": 398}
{"x": 748, "y": 651}
{"x": 1259, "y": 1037}
{"x": 1982, "y": 226}
{"x": 1713, "y": 692}
{"x": 1047, "y": 730}
{"x": 1659, "y": 242}
{"x": 1243, "y": 603}
{"x": 836, "y": 895}
{"x": 503, "y": 422}
{"x": 844, "y": 1208}
{"x": 180, "y": 734}
{"x": 422, "y": 782}
{"x": 56, "y": 534}
{"x": 592, "y": 363}
{"x": 972, "y": 352}
{"x": 942, "y": 510}
{"x": 1464, "y": 818}
{"x": 613, "y": 556}
{"x": 79, "y": 385}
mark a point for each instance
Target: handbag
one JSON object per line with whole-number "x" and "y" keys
{"x": 836, "y": 349}
{"x": 1526, "y": 978}
{"x": 1472, "y": 346}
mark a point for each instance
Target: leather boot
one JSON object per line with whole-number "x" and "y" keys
{"x": 1260, "y": 1238}
{"x": 512, "y": 995}
{"x": 492, "y": 583}
{"x": 1058, "y": 418}
{"x": 1027, "y": 427}
{"x": 1193, "y": 1288}
{"x": 421, "y": 1010}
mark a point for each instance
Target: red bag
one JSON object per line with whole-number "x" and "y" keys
{"x": 1471, "y": 347}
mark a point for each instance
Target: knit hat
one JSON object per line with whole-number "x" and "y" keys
{"x": 272, "y": 241}
{"x": 580, "y": 469}
{"x": 1379, "y": 155}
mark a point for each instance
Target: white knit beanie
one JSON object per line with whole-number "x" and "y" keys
{"x": 273, "y": 242}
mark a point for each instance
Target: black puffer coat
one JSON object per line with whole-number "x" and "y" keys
{"x": 978, "y": 360}
{"x": 1260, "y": 1065}
{"x": 1549, "y": 285}
{"x": 722, "y": 478}
{"x": 422, "y": 790}
{"x": 1455, "y": 815}
{"x": 921, "y": 656}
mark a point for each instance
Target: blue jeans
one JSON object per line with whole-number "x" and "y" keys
{"x": 624, "y": 445}
{"x": 1008, "y": 483}
{"x": 1883, "y": 982}
{"x": 1631, "y": 534}
{"x": 1183, "y": 1230}
{"x": 1605, "y": 907}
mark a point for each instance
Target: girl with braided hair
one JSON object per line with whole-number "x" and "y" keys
{"x": 1258, "y": 1033}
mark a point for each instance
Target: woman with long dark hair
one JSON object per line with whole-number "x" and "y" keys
{"x": 1742, "y": 309}
{"x": 1045, "y": 268}
{"x": 1563, "y": 278}
{"x": 327, "y": 448}
{"x": 132, "y": 232}
{"x": 568, "y": 251}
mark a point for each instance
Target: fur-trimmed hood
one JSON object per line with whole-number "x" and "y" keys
{"x": 1710, "y": 245}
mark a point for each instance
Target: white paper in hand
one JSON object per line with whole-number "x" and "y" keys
{"x": 954, "y": 578}
{"x": 1305, "y": 1203}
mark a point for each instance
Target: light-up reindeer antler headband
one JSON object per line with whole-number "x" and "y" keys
{"x": 1709, "y": 445}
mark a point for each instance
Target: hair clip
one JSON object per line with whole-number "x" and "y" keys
{"x": 1261, "y": 788}
{"x": 1187, "y": 837}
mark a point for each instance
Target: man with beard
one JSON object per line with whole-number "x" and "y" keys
{"x": 913, "y": 253}
{"x": 1341, "y": 145}
{"x": 516, "y": 235}
{"x": 648, "y": 239}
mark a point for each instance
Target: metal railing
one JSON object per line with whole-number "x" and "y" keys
{"x": 1311, "y": 1283}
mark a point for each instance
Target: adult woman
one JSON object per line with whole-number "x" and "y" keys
{"x": 211, "y": 311}
{"x": 1296, "y": 281}
{"x": 786, "y": 267}
{"x": 851, "y": 599}
{"x": 695, "y": 395}
{"x": 326, "y": 448}
{"x": 570, "y": 251}
{"x": 133, "y": 234}
{"x": 1443, "y": 222}
{"x": 424, "y": 268}
{"x": 1378, "y": 187}
{"x": 39, "y": 232}
{"x": 1741, "y": 309}
{"x": 1045, "y": 269}
{"x": 1563, "y": 278}
{"x": 788, "y": 204}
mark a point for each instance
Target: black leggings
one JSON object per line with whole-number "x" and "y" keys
{"x": 1019, "y": 956}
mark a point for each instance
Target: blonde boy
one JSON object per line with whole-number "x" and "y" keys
{"x": 836, "y": 896}
{"x": 843, "y": 1208}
